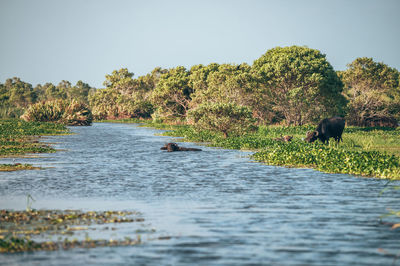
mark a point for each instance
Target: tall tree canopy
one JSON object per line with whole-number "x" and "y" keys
{"x": 372, "y": 89}
{"x": 172, "y": 94}
{"x": 20, "y": 93}
{"x": 300, "y": 84}
{"x": 227, "y": 118}
{"x": 124, "y": 96}
{"x": 227, "y": 83}
{"x": 120, "y": 80}
{"x": 15, "y": 96}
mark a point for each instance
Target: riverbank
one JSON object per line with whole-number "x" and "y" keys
{"x": 211, "y": 203}
{"x": 368, "y": 152}
{"x": 18, "y": 138}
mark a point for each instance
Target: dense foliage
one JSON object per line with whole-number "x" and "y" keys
{"x": 287, "y": 85}
{"x": 227, "y": 118}
{"x": 367, "y": 152}
{"x": 300, "y": 83}
{"x": 71, "y": 113}
{"x": 172, "y": 94}
{"x": 331, "y": 159}
{"x": 228, "y": 83}
{"x": 373, "y": 92}
{"x": 124, "y": 96}
{"x": 16, "y": 95}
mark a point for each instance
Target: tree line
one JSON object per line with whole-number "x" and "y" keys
{"x": 16, "y": 95}
{"x": 289, "y": 85}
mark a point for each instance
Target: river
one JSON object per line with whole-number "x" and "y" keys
{"x": 217, "y": 207}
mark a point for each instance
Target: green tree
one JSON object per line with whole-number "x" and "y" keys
{"x": 372, "y": 90}
{"x": 300, "y": 84}
{"x": 4, "y": 95}
{"x": 21, "y": 93}
{"x": 104, "y": 104}
{"x": 199, "y": 75}
{"x": 132, "y": 97}
{"x": 50, "y": 92}
{"x": 148, "y": 82}
{"x": 40, "y": 92}
{"x": 62, "y": 89}
{"x": 79, "y": 92}
{"x": 229, "y": 83}
{"x": 172, "y": 94}
{"x": 227, "y": 118}
{"x": 120, "y": 80}
{"x": 15, "y": 96}
{"x": 53, "y": 92}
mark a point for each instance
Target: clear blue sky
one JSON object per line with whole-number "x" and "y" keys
{"x": 51, "y": 40}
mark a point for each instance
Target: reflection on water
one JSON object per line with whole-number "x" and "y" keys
{"x": 220, "y": 207}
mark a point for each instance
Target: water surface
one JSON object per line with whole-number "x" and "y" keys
{"x": 219, "y": 207}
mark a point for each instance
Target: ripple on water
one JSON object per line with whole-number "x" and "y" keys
{"x": 220, "y": 207}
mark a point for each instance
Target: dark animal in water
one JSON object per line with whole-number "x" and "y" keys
{"x": 328, "y": 128}
{"x": 174, "y": 147}
{"x": 284, "y": 138}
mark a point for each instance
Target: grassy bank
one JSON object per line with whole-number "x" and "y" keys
{"x": 18, "y": 137}
{"x": 369, "y": 152}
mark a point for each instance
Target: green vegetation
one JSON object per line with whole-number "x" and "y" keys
{"x": 226, "y": 118}
{"x": 292, "y": 85}
{"x": 18, "y": 137}
{"x": 300, "y": 84}
{"x": 373, "y": 93}
{"x": 16, "y": 167}
{"x": 16, "y": 95}
{"x": 17, "y": 228}
{"x": 331, "y": 159}
{"x": 172, "y": 94}
{"x": 71, "y": 113}
{"x": 369, "y": 152}
{"x": 125, "y": 97}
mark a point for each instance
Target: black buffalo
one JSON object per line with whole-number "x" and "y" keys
{"x": 174, "y": 147}
{"x": 327, "y": 128}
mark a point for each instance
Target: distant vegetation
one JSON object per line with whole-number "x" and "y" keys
{"x": 289, "y": 86}
{"x": 16, "y": 95}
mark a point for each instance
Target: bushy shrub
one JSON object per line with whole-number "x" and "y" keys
{"x": 50, "y": 111}
{"x": 111, "y": 104}
{"x": 60, "y": 111}
{"x": 226, "y": 118}
{"x": 77, "y": 114}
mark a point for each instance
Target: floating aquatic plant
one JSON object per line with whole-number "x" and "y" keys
{"x": 18, "y": 228}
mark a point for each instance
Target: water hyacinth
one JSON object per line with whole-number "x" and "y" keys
{"x": 71, "y": 113}
{"x": 331, "y": 159}
{"x": 363, "y": 152}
